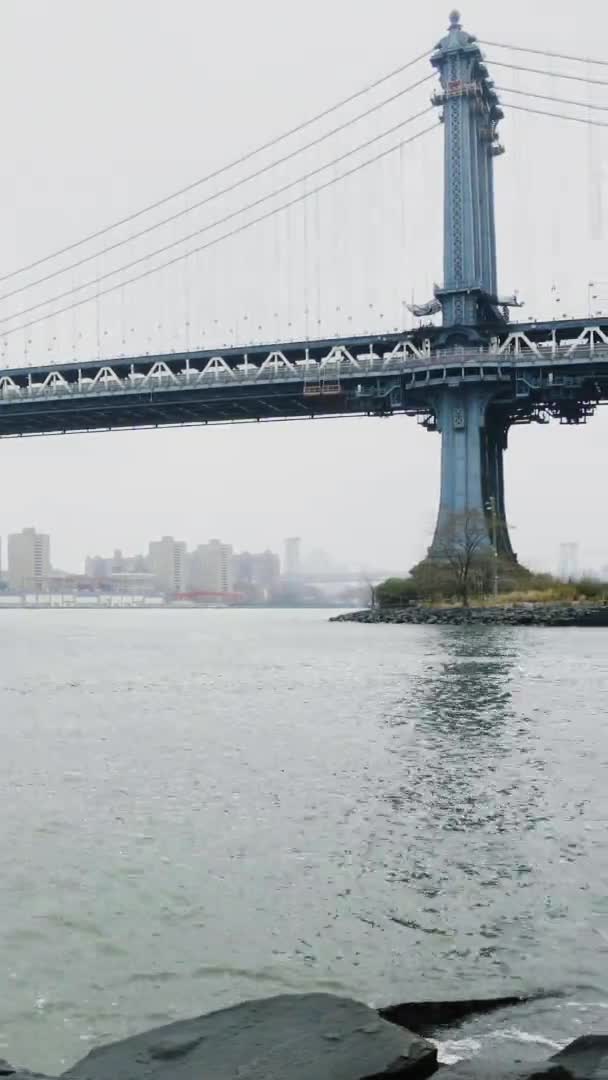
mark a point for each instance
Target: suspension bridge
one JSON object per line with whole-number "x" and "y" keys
{"x": 467, "y": 366}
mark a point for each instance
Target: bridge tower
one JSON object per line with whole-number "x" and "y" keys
{"x": 473, "y": 428}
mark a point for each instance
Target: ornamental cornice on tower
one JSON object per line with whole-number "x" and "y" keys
{"x": 456, "y": 40}
{"x": 469, "y": 78}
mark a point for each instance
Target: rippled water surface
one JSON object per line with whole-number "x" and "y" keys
{"x": 203, "y": 806}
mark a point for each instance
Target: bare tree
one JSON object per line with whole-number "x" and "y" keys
{"x": 371, "y": 590}
{"x": 463, "y": 546}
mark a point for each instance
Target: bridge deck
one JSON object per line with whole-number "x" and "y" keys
{"x": 374, "y": 375}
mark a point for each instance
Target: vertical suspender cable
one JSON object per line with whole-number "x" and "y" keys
{"x": 306, "y": 271}
{"x": 318, "y": 263}
{"x": 402, "y": 254}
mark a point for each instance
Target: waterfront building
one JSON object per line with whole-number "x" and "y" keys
{"x": 211, "y": 568}
{"x": 256, "y": 576}
{"x": 101, "y": 568}
{"x": 29, "y": 560}
{"x": 167, "y": 563}
{"x": 292, "y": 561}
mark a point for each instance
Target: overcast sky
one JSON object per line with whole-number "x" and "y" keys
{"x": 111, "y": 104}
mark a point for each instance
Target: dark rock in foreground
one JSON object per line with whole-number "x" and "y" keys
{"x": 17, "y": 1074}
{"x": 586, "y": 1058}
{"x": 425, "y": 1017}
{"x": 317, "y": 1037}
{"x": 307, "y": 1037}
{"x": 507, "y": 615}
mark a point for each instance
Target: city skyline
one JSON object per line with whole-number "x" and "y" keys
{"x": 293, "y": 556}
{"x": 168, "y": 572}
{"x": 168, "y": 557}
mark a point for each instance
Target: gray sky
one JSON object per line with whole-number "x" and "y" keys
{"x": 114, "y": 103}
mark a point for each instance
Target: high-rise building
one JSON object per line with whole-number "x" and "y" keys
{"x": 167, "y": 562}
{"x": 211, "y": 568}
{"x": 243, "y": 568}
{"x": 98, "y": 567}
{"x": 266, "y": 569}
{"x": 257, "y": 572}
{"x": 29, "y": 560}
{"x": 95, "y": 566}
{"x": 102, "y": 568}
{"x": 291, "y": 565}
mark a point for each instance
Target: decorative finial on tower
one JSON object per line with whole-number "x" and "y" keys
{"x": 455, "y": 23}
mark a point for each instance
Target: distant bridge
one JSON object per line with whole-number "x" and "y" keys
{"x": 343, "y": 577}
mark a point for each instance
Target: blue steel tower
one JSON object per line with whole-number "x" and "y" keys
{"x": 471, "y": 115}
{"x": 473, "y": 430}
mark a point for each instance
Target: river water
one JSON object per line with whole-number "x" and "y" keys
{"x": 203, "y": 806}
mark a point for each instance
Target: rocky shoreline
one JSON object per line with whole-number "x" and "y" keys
{"x": 319, "y": 1037}
{"x": 579, "y": 615}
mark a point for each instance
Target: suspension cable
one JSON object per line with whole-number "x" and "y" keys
{"x": 212, "y": 224}
{"x": 544, "y": 52}
{"x": 217, "y": 194}
{"x": 558, "y": 116}
{"x": 549, "y": 97}
{"x": 225, "y": 236}
{"x": 551, "y": 74}
{"x": 222, "y": 169}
